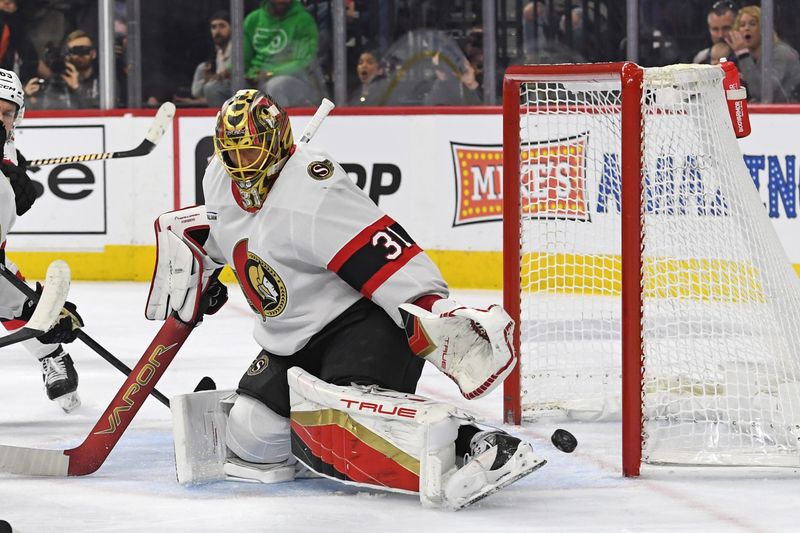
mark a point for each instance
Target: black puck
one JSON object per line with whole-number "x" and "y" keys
{"x": 5, "y": 527}
{"x": 564, "y": 440}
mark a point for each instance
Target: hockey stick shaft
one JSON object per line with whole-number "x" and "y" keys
{"x": 82, "y": 335}
{"x": 313, "y": 125}
{"x": 95, "y": 448}
{"x": 91, "y": 454}
{"x": 49, "y": 306}
{"x": 157, "y": 129}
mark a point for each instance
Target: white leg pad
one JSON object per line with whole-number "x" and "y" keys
{"x": 199, "y": 420}
{"x": 367, "y": 436}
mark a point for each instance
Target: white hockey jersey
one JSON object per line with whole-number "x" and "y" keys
{"x": 315, "y": 247}
{"x": 11, "y": 299}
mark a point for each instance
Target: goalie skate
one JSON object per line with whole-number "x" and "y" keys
{"x": 237, "y": 469}
{"x": 496, "y": 460}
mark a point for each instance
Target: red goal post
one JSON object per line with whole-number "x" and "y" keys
{"x": 631, "y": 235}
{"x": 639, "y": 266}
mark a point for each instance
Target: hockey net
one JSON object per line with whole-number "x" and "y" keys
{"x": 639, "y": 230}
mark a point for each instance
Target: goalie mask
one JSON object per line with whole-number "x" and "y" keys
{"x": 253, "y": 140}
{"x": 11, "y": 91}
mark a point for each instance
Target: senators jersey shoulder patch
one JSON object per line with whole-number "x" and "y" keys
{"x": 259, "y": 365}
{"x": 320, "y": 170}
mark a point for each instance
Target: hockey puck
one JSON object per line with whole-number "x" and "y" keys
{"x": 5, "y": 527}
{"x": 564, "y": 440}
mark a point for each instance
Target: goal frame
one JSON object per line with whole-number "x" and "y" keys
{"x": 631, "y": 78}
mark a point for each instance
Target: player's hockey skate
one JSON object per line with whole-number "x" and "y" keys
{"x": 496, "y": 460}
{"x": 61, "y": 379}
{"x": 471, "y": 346}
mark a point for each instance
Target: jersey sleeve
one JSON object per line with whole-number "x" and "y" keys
{"x": 12, "y": 300}
{"x": 370, "y": 251}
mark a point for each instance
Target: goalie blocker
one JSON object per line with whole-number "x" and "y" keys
{"x": 364, "y": 436}
{"x": 185, "y": 276}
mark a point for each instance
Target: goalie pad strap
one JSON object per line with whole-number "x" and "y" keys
{"x": 373, "y": 437}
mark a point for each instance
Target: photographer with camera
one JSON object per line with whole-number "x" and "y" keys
{"x": 74, "y": 83}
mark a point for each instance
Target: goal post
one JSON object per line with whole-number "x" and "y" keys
{"x": 640, "y": 266}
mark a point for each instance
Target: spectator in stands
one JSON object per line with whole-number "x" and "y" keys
{"x": 721, "y": 51}
{"x": 280, "y": 50}
{"x": 720, "y": 23}
{"x": 372, "y": 81}
{"x": 746, "y": 39}
{"x": 74, "y": 83}
{"x": 211, "y": 85}
{"x": 462, "y": 87}
{"x": 17, "y": 52}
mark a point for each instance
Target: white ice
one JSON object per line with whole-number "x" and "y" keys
{"x": 136, "y": 490}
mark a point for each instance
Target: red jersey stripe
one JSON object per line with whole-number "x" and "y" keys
{"x": 358, "y": 242}
{"x": 388, "y": 269}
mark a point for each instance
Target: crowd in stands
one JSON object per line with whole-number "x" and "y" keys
{"x": 399, "y": 52}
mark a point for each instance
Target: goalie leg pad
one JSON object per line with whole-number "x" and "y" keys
{"x": 374, "y": 437}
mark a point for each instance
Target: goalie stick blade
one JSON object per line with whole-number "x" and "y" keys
{"x": 33, "y": 461}
{"x": 48, "y": 307}
{"x": 154, "y": 134}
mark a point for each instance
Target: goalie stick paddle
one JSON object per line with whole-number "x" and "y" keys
{"x": 93, "y": 451}
{"x": 311, "y": 128}
{"x": 49, "y": 306}
{"x": 82, "y": 335}
{"x": 157, "y": 128}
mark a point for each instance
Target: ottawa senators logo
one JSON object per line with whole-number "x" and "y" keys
{"x": 262, "y": 286}
{"x": 259, "y": 365}
{"x": 320, "y": 170}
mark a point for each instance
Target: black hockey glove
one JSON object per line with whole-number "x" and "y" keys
{"x": 66, "y": 327}
{"x": 213, "y": 298}
{"x": 25, "y": 192}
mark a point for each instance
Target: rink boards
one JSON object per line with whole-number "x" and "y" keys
{"x": 437, "y": 171}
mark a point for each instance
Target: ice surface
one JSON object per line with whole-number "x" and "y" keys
{"x": 136, "y": 489}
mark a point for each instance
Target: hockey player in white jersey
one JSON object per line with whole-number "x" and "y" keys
{"x": 347, "y": 310}
{"x": 17, "y": 194}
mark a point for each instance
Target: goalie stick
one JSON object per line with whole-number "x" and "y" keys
{"x": 93, "y": 451}
{"x": 157, "y": 128}
{"x": 82, "y": 335}
{"x": 49, "y": 306}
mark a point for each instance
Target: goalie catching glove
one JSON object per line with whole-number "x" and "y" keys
{"x": 471, "y": 346}
{"x": 185, "y": 278}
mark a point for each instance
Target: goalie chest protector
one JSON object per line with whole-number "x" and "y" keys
{"x": 315, "y": 247}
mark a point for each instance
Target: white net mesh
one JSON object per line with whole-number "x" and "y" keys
{"x": 721, "y": 300}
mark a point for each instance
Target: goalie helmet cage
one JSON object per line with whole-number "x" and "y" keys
{"x": 642, "y": 270}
